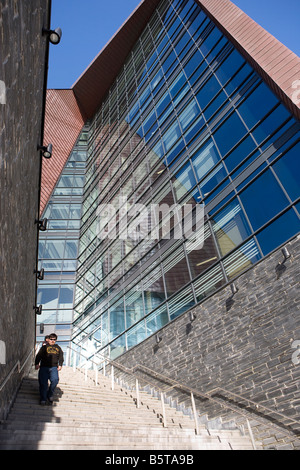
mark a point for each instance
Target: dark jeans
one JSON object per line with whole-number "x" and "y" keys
{"x": 45, "y": 374}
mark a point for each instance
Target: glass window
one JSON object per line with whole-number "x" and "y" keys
{"x": 208, "y": 283}
{"x": 134, "y": 305}
{"x": 117, "y": 318}
{"x": 71, "y": 249}
{"x": 172, "y": 134}
{"x": 181, "y": 303}
{"x": 149, "y": 121}
{"x": 136, "y": 334}
{"x": 240, "y": 153}
{"x": 197, "y": 22}
{"x": 176, "y": 85}
{"x": 228, "y": 68}
{"x": 154, "y": 292}
{"x": 157, "y": 320}
{"x": 194, "y": 130}
{"x": 198, "y": 73}
{"x": 48, "y": 296}
{"x": 263, "y": 199}
{"x": 270, "y": 124}
{"x": 66, "y": 294}
{"x": 168, "y": 61}
{"x": 210, "y": 41}
{"x": 215, "y": 105}
{"x": 213, "y": 179}
{"x": 230, "y": 132}
{"x": 208, "y": 92}
{"x": 243, "y": 258}
{"x": 188, "y": 114}
{"x": 53, "y": 249}
{"x": 288, "y": 171}
{"x": 238, "y": 79}
{"x": 176, "y": 27}
{"x": 176, "y": 271}
{"x": 193, "y": 63}
{"x": 173, "y": 155}
{"x": 201, "y": 255}
{"x": 205, "y": 159}
{"x": 182, "y": 43}
{"x": 184, "y": 181}
{"x": 118, "y": 347}
{"x": 230, "y": 227}
{"x": 256, "y": 106}
{"x": 281, "y": 230}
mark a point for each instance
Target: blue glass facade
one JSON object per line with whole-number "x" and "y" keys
{"x": 186, "y": 121}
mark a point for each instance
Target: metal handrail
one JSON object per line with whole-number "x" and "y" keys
{"x": 194, "y": 392}
{"x": 16, "y": 366}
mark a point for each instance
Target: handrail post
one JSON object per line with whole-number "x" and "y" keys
{"x": 104, "y": 368}
{"x": 251, "y": 435}
{"x": 96, "y": 375}
{"x": 137, "y": 393}
{"x": 74, "y": 361}
{"x": 112, "y": 378}
{"x": 195, "y": 413}
{"x": 67, "y": 356}
{"x": 163, "y": 410}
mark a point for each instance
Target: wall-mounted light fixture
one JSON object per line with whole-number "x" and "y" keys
{"x": 38, "y": 310}
{"x": 192, "y": 316}
{"x": 54, "y": 35}
{"x": 158, "y": 338}
{"x": 286, "y": 254}
{"x": 40, "y": 274}
{"x": 42, "y": 224}
{"x": 46, "y": 150}
{"x": 234, "y": 288}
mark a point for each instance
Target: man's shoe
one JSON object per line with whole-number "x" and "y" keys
{"x": 43, "y": 403}
{"x": 50, "y": 400}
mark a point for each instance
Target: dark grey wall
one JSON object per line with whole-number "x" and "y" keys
{"x": 243, "y": 344}
{"x": 22, "y": 66}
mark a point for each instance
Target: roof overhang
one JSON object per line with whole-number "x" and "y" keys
{"x": 67, "y": 110}
{"x": 277, "y": 65}
{"x": 63, "y": 123}
{"x": 94, "y": 83}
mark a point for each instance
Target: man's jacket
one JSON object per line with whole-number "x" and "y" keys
{"x": 50, "y": 356}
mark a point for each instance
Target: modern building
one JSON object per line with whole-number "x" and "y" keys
{"x": 190, "y": 103}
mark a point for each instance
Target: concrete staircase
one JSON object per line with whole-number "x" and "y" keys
{"x": 89, "y": 417}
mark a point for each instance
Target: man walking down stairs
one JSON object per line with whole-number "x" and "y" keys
{"x": 84, "y": 416}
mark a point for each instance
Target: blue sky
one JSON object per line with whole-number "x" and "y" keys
{"x": 88, "y": 25}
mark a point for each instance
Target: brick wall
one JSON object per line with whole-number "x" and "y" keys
{"x": 22, "y": 66}
{"x": 244, "y": 344}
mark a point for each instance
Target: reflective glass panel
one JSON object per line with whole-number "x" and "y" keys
{"x": 263, "y": 199}
{"x": 230, "y": 227}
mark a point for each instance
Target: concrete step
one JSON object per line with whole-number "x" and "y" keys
{"x": 123, "y": 440}
{"x": 54, "y": 430}
{"x": 89, "y": 417}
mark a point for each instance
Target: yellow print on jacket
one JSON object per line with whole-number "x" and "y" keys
{"x": 52, "y": 350}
